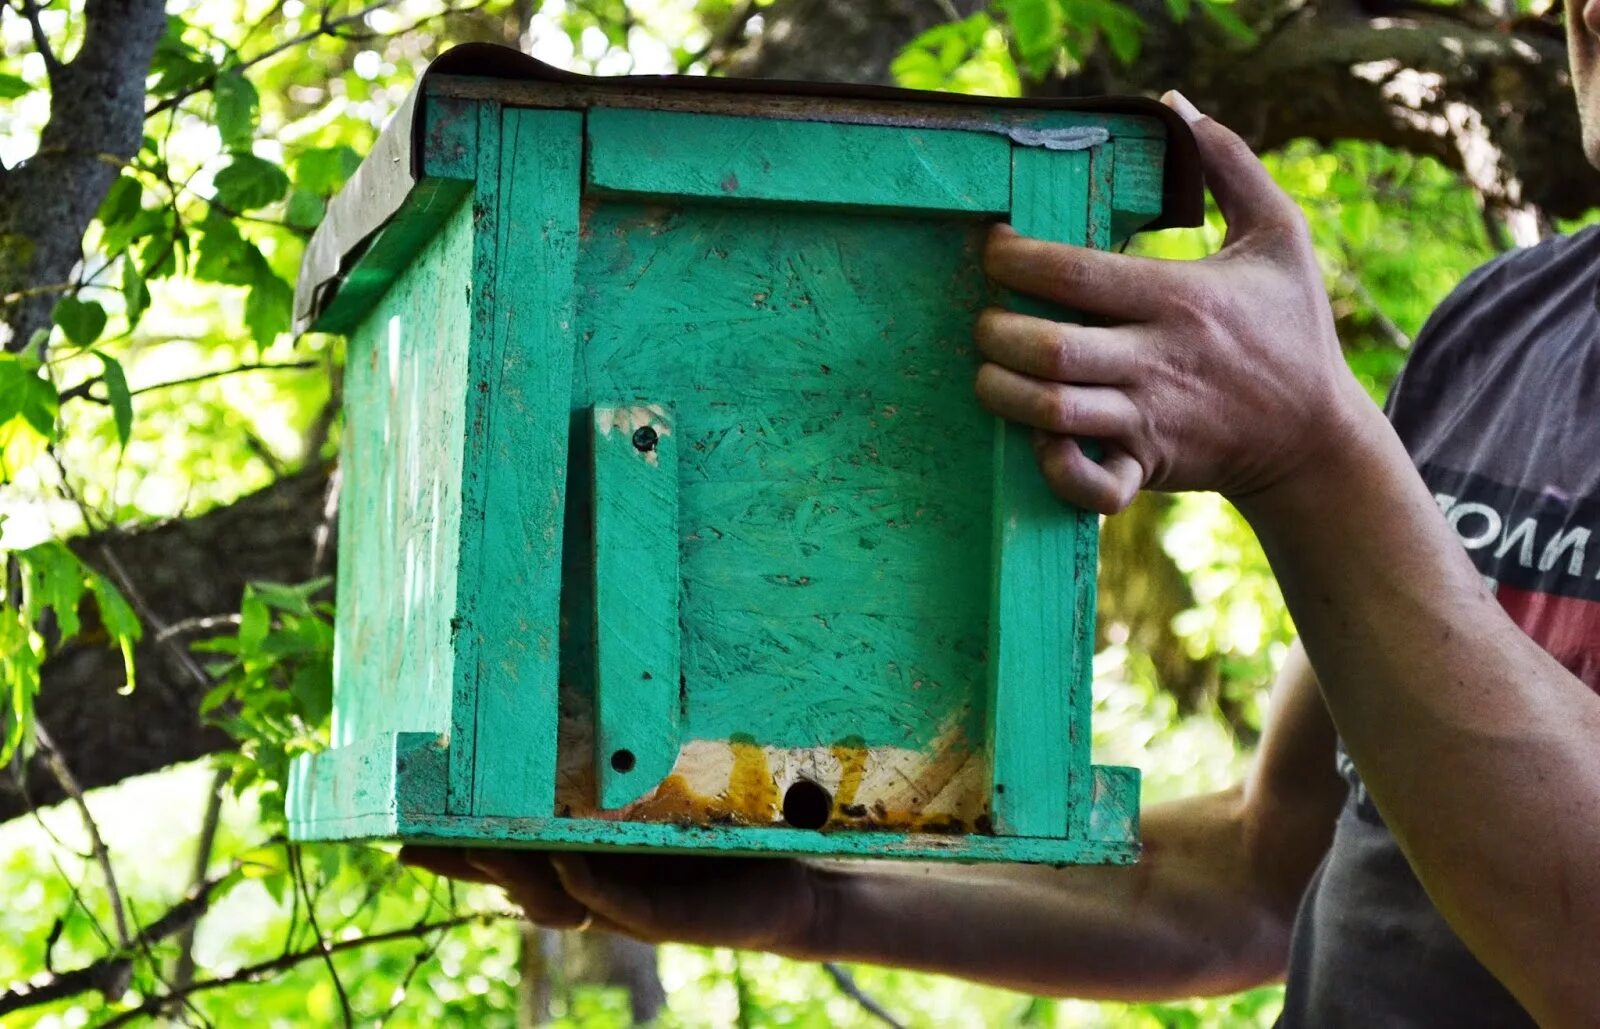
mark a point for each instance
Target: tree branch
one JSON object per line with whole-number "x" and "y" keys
{"x": 29, "y": 9}
{"x": 847, "y": 985}
{"x": 109, "y": 975}
{"x": 97, "y": 844}
{"x": 183, "y": 973}
{"x": 260, "y": 970}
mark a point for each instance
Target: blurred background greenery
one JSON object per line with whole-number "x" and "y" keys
{"x": 165, "y": 440}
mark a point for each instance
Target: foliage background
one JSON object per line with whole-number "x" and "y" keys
{"x": 171, "y": 385}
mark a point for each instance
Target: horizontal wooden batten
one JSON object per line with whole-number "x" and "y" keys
{"x": 658, "y": 153}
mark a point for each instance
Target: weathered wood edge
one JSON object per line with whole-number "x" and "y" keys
{"x": 598, "y": 834}
{"x": 1136, "y": 185}
{"x": 801, "y": 108}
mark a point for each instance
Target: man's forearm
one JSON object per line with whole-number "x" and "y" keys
{"x": 1190, "y": 919}
{"x": 1481, "y": 751}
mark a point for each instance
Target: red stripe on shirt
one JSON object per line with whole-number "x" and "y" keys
{"x": 1567, "y": 627}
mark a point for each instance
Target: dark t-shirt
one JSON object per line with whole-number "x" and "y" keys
{"x": 1499, "y": 406}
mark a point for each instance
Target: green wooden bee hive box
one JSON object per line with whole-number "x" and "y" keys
{"x": 668, "y": 519}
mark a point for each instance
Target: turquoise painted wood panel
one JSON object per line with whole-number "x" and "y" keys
{"x": 634, "y": 483}
{"x": 503, "y": 740}
{"x": 821, "y": 416}
{"x": 1038, "y": 668}
{"x": 727, "y": 158}
{"x": 400, "y": 503}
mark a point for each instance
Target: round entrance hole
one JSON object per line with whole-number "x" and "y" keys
{"x": 622, "y": 760}
{"x": 806, "y": 805}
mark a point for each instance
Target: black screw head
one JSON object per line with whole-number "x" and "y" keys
{"x": 644, "y": 439}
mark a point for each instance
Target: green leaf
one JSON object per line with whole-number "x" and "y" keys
{"x": 135, "y": 294}
{"x": 254, "y": 621}
{"x": 117, "y": 392}
{"x": 238, "y": 106}
{"x": 176, "y": 66}
{"x": 322, "y": 170}
{"x": 1222, "y": 13}
{"x": 305, "y": 209}
{"x": 55, "y": 581}
{"x": 146, "y": 221}
{"x": 28, "y": 406}
{"x": 224, "y": 256}
{"x": 27, "y": 396}
{"x": 268, "y": 307}
{"x": 312, "y": 687}
{"x": 12, "y": 86}
{"x": 121, "y": 204}
{"x": 250, "y": 182}
{"x": 81, "y": 320}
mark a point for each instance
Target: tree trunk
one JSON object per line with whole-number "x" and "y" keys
{"x": 554, "y": 963}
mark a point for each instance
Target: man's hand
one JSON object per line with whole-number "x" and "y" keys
{"x": 765, "y": 904}
{"x": 1223, "y": 374}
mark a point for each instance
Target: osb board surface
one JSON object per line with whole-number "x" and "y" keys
{"x": 400, "y": 499}
{"x": 833, "y": 502}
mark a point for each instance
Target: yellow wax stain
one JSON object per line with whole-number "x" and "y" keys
{"x": 853, "y": 767}
{"x": 751, "y": 792}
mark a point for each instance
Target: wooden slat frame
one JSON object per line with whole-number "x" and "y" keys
{"x": 1041, "y": 645}
{"x": 717, "y": 157}
{"x": 503, "y": 740}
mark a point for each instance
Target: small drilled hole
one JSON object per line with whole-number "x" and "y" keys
{"x": 622, "y": 760}
{"x": 807, "y": 805}
{"x": 644, "y": 439}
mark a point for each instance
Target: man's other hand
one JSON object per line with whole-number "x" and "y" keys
{"x": 769, "y": 904}
{"x": 1222, "y": 374}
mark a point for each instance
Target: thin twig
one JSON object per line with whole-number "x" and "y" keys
{"x": 323, "y": 539}
{"x": 80, "y": 391}
{"x": 30, "y": 11}
{"x": 183, "y": 972}
{"x": 109, "y": 975}
{"x": 97, "y": 844}
{"x": 297, "y": 871}
{"x": 197, "y": 625}
{"x": 847, "y": 985}
{"x": 253, "y": 973}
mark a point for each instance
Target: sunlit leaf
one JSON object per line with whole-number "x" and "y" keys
{"x": 82, "y": 320}
{"x": 268, "y": 307}
{"x": 116, "y": 384}
{"x": 237, "y": 108}
{"x": 249, "y": 182}
{"x": 135, "y": 294}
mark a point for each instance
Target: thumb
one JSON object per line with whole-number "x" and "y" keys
{"x": 1245, "y": 192}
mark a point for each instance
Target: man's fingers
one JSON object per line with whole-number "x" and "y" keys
{"x": 1099, "y": 411}
{"x": 1106, "y": 487}
{"x": 1060, "y": 351}
{"x": 614, "y": 899}
{"x": 1245, "y": 192}
{"x": 532, "y": 884}
{"x": 450, "y": 862}
{"x": 1114, "y": 286}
